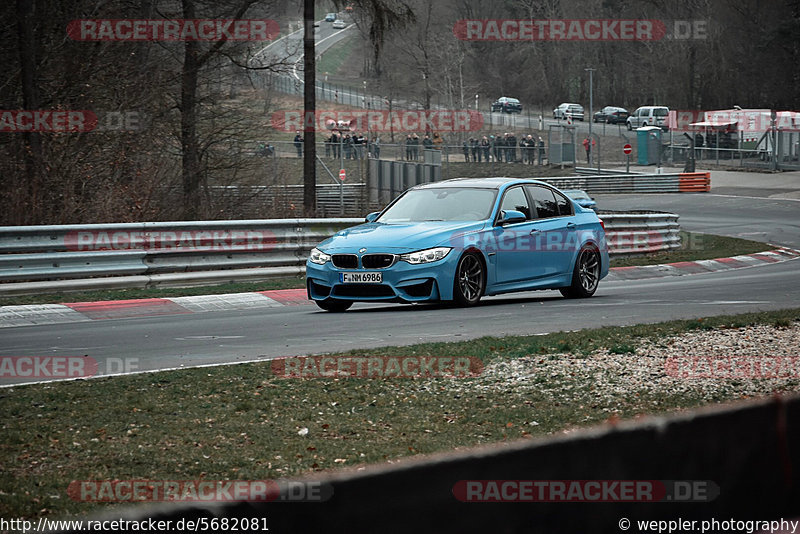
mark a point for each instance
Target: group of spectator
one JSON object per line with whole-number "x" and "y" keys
{"x": 347, "y": 146}
{"x": 528, "y": 149}
{"x": 428, "y": 143}
{"x": 352, "y": 146}
{"x": 504, "y": 149}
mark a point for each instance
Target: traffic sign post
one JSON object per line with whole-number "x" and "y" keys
{"x": 342, "y": 176}
{"x": 627, "y": 149}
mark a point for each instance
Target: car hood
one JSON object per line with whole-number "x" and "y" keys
{"x": 399, "y": 238}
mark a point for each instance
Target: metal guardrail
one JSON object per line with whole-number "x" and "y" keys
{"x": 637, "y": 183}
{"x": 37, "y": 259}
{"x": 642, "y": 232}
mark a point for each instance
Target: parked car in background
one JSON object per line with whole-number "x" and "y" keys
{"x": 648, "y": 116}
{"x": 339, "y": 24}
{"x": 507, "y": 105}
{"x": 611, "y": 115}
{"x": 566, "y": 109}
{"x": 581, "y": 198}
{"x": 459, "y": 240}
{"x": 330, "y": 17}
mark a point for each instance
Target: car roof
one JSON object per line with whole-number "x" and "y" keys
{"x": 483, "y": 183}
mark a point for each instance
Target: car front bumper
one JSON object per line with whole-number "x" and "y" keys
{"x": 402, "y": 282}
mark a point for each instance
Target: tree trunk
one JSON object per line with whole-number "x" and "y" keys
{"x": 309, "y": 112}
{"x": 34, "y": 159}
{"x": 189, "y": 147}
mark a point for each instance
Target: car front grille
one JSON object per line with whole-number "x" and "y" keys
{"x": 377, "y": 261}
{"x": 345, "y": 261}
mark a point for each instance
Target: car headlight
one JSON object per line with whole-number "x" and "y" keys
{"x": 425, "y": 256}
{"x": 319, "y": 257}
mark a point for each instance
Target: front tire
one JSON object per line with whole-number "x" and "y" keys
{"x": 470, "y": 280}
{"x": 334, "y": 305}
{"x": 629, "y": 126}
{"x": 585, "y": 275}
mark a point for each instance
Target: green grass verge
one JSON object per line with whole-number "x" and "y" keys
{"x": 694, "y": 247}
{"x": 332, "y": 59}
{"x": 243, "y": 422}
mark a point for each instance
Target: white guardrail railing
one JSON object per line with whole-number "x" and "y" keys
{"x": 37, "y": 259}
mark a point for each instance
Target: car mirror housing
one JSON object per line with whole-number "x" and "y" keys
{"x": 511, "y": 217}
{"x": 372, "y": 216}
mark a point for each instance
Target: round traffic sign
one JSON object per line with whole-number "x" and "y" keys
{"x": 342, "y": 175}
{"x": 627, "y": 149}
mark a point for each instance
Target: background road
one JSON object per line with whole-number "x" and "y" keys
{"x": 214, "y": 338}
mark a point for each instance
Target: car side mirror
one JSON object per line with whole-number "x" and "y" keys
{"x": 372, "y": 216}
{"x": 511, "y": 217}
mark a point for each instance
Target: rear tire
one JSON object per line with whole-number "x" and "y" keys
{"x": 629, "y": 126}
{"x": 585, "y": 274}
{"x": 334, "y": 305}
{"x": 470, "y": 280}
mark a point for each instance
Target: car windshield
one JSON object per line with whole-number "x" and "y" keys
{"x": 441, "y": 204}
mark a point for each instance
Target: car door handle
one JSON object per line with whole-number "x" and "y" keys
{"x": 571, "y": 225}
{"x": 535, "y": 231}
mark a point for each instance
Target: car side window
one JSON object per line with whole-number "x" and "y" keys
{"x": 564, "y": 205}
{"x": 543, "y": 201}
{"x": 515, "y": 199}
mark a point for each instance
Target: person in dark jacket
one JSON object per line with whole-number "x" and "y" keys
{"x": 415, "y": 146}
{"x": 334, "y": 142}
{"x": 348, "y": 146}
{"x": 499, "y": 148}
{"x": 298, "y": 144}
{"x": 485, "y": 146}
{"x": 511, "y": 142}
{"x": 541, "y": 150}
{"x": 475, "y": 147}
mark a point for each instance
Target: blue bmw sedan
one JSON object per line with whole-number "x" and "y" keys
{"x": 459, "y": 240}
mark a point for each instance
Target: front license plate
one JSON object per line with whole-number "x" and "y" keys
{"x": 361, "y": 278}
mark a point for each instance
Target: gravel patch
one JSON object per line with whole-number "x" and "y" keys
{"x": 708, "y": 365}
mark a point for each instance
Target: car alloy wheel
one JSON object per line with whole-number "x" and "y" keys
{"x": 586, "y": 274}
{"x": 469, "y": 281}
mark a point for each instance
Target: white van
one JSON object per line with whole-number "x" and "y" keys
{"x": 648, "y": 116}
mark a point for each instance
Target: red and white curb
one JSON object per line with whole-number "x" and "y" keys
{"x": 43, "y": 314}
{"x": 682, "y": 268}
